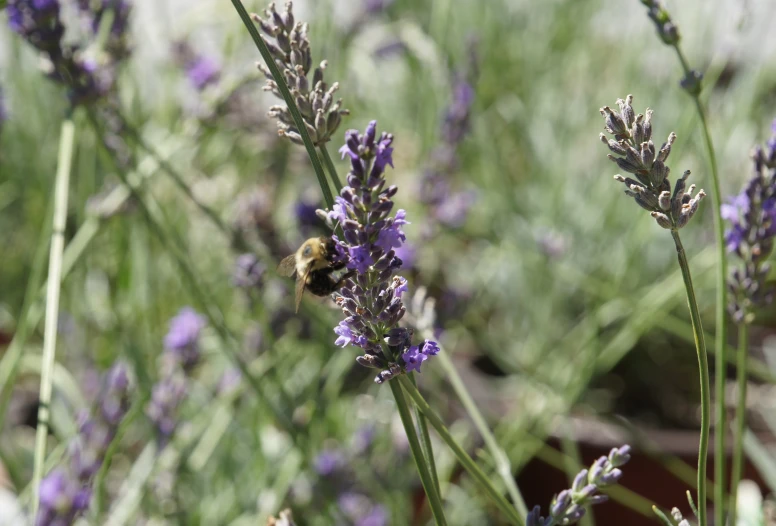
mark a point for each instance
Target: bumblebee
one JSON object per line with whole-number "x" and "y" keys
{"x": 313, "y": 265}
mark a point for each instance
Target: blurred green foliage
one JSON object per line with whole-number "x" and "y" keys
{"x": 539, "y": 330}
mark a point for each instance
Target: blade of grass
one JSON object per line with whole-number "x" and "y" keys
{"x": 61, "y": 186}
{"x": 417, "y": 454}
{"x": 500, "y": 459}
{"x": 428, "y": 451}
{"x": 332, "y": 170}
{"x": 466, "y": 461}
{"x": 740, "y": 422}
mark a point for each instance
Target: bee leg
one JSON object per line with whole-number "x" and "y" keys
{"x": 341, "y": 281}
{"x": 339, "y": 265}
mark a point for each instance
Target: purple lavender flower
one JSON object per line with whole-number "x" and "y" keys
{"x": 183, "y": 337}
{"x": 568, "y": 507}
{"x": 248, "y": 272}
{"x": 361, "y": 511}
{"x": 162, "y": 410}
{"x": 61, "y": 499}
{"x": 448, "y": 207}
{"x": 328, "y": 462}
{"x": 96, "y": 11}
{"x": 203, "y": 71}
{"x": 371, "y": 302}
{"x": 752, "y": 217}
{"x": 65, "y": 493}
{"x": 39, "y": 22}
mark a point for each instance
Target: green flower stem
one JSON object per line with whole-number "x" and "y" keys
{"x": 288, "y": 98}
{"x": 211, "y": 310}
{"x": 417, "y": 454}
{"x": 61, "y": 186}
{"x": 428, "y": 450}
{"x": 500, "y": 459}
{"x": 703, "y": 366}
{"x": 466, "y": 461}
{"x": 738, "y": 448}
{"x": 332, "y": 170}
{"x": 721, "y": 328}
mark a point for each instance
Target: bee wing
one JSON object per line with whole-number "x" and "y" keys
{"x": 301, "y": 281}
{"x": 287, "y": 266}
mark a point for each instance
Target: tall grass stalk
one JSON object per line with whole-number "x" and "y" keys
{"x": 738, "y": 446}
{"x": 703, "y": 366}
{"x": 720, "y": 341}
{"x": 434, "y": 500}
{"x": 428, "y": 450}
{"x": 59, "y": 218}
{"x": 466, "y": 461}
{"x": 500, "y": 458}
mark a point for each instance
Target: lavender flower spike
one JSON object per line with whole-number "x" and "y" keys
{"x": 636, "y": 154}
{"x": 568, "y": 507}
{"x": 371, "y": 301}
{"x": 288, "y": 43}
{"x": 182, "y": 340}
{"x": 65, "y": 493}
{"x": 752, "y": 217}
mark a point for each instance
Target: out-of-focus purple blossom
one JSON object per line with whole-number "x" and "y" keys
{"x": 182, "y": 340}
{"x": 248, "y": 272}
{"x": 752, "y": 217}
{"x": 363, "y": 438}
{"x": 449, "y": 207}
{"x": 62, "y": 499}
{"x": 306, "y": 217}
{"x": 551, "y": 243}
{"x": 97, "y": 11}
{"x": 39, "y": 22}
{"x": 568, "y": 507}
{"x": 361, "y": 511}
{"x": 162, "y": 410}
{"x": 371, "y": 301}
{"x": 328, "y": 462}
{"x": 408, "y": 254}
{"x": 230, "y": 380}
{"x": 65, "y": 493}
{"x": 390, "y": 48}
{"x": 374, "y": 7}
{"x": 201, "y": 70}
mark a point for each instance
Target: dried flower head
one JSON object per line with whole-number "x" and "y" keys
{"x": 636, "y": 154}
{"x": 287, "y": 41}
{"x": 568, "y": 507}
{"x": 752, "y": 217}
